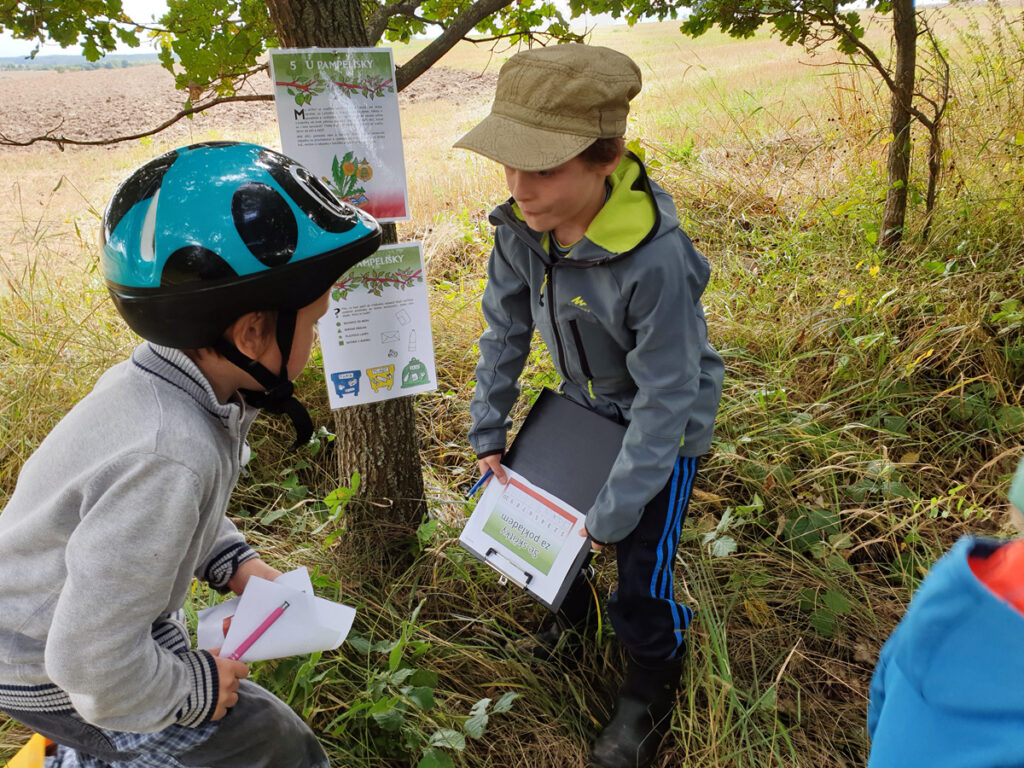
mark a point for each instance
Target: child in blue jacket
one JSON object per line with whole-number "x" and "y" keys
{"x": 948, "y": 691}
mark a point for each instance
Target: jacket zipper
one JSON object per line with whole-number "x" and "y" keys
{"x": 550, "y": 283}
{"x": 574, "y": 327}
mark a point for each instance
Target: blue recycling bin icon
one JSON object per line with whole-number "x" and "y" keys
{"x": 346, "y": 382}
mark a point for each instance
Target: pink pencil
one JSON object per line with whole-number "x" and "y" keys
{"x": 258, "y": 632}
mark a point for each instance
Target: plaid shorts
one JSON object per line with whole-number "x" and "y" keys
{"x": 260, "y": 731}
{"x": 146, "y": 750}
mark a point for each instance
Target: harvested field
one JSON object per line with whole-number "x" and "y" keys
{"x": 105, "y": 103}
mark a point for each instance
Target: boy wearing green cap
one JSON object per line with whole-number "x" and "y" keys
{"x": 949, "y": 686}
{"x": 588, "y": 250}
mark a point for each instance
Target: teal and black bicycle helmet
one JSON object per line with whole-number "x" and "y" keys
{"x": 202, "y": 235}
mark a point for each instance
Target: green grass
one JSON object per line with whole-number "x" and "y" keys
{"x": 872, "y": 413}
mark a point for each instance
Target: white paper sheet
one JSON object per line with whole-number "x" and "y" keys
{"x": 524, "y": 531}
{"x": 309, "y": 624}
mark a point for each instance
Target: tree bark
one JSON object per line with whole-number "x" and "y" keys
{"x": 934, "y": 172}
{"x": 377, "y": 440}
{"x": 904, "y": 22}
{"x": 319, "y": 23}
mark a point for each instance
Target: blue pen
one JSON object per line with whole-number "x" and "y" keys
{"x": 479, "y": 484}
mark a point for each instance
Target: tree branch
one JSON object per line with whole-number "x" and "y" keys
{"x": 376, "y": 26}
{"x": 460, "y": 26}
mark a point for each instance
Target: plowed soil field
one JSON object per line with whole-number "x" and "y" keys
{"x": 105, "y": 103}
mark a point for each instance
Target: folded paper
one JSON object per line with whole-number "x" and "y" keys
{"x": 310, "y": 624}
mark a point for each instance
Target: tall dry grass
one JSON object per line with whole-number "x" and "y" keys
{"x": 872, "y": 411}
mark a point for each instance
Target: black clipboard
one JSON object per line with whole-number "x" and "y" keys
{"x": 565, "y": 448}
{"x": 568, "y": 450}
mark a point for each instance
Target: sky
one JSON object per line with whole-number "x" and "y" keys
{"x": 138, "y": 10}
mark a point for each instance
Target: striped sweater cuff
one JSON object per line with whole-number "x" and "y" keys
{"x": 34, "y": 698}
{"x": 201, "y": 702}
{"x": 223, "y": 566}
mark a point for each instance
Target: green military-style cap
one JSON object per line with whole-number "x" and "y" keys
{"x": 552, "y": 103}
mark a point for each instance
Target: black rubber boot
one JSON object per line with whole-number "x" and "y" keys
{"x": 642, "y": 715}
{"x": 561, "y": 639}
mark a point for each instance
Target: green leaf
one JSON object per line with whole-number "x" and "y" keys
{"x": 1010, "y": 419}
{"x": 426, "y": 532}
{"x": 359, "y": 643}
{"x": 810, "y": 527}
{"x": 395, "y": 656}
{"x": 388, "y": 713}
{"x": 723, "y": 546}
{"x": 475, "y": 725}
{"x": 421, "y": 696}
{"x": 435, "y": 758}
{"x": 824, "y": 622}
{"x": 504, "y": 703}
{"x": 477, "y": 721}
{"x": 427, "y": 677}
{"x": 448, "y": 738}
{"x": 836, "y": 602}
{"x": 273, "y": 515}
{"x": 400, "y": 676}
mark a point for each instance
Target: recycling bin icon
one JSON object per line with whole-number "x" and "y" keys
{"x": 346, "y": 382}
{"x": 414, "y": 374}
{"x": 381, "y": 377}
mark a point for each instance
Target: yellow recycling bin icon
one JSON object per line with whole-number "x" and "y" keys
{"x": 381, "y": 377}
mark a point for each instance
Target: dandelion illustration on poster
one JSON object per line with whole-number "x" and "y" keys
{"x": 376, "y": 337}
{"x": 337, "y": 110}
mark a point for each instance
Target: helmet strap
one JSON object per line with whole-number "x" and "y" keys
{"x": 278, "y": 395}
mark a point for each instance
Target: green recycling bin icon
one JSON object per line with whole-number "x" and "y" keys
{"x": 414, "y": 374}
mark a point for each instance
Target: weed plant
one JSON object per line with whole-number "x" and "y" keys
{"x": 872, "y": 413}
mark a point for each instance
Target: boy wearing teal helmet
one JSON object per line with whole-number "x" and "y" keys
{"x": 221, "y": 257}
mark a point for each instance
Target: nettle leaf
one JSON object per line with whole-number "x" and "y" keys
{"x": 388, "y": 713}
{"x": 427, "y": 677}
{"x": 400, "y": 676}
{"x": 358, "y": 642}
{"x": 824, "y": 622}
{"x": 836, "y": 602}
{"x": 435, "y": 758}
{"x": 723, "y": 546}
{"x": 477, "y": 721}
{"x": 448, "y": 738}
{"x": 504, "y": 704}
{"x": 422, "y": 697}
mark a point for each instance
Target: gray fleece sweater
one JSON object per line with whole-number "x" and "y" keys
{"x": 115, "y": 512}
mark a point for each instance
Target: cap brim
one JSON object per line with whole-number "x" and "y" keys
{"x": 522, "y": 147}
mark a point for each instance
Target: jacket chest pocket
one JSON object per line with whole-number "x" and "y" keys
{"x": 601, "y": 358}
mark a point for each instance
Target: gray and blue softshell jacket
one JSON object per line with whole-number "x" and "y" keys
{"x": 622, "y": 318}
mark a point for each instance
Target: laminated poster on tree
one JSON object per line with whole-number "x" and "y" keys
{"x": 337, "y": 110}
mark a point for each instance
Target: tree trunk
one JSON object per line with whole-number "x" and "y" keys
{"x": 934, "y": 171}
{"x": 377, "y": 440}
{"x": 904, "y": 22}
{"x": 319, "y": 23}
